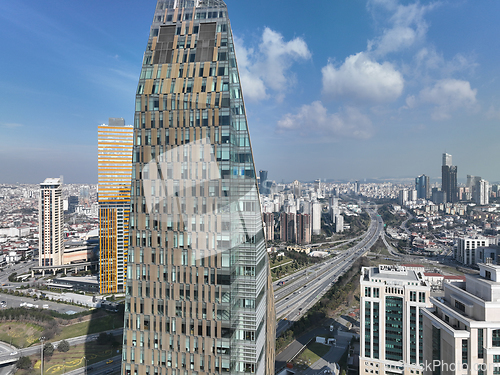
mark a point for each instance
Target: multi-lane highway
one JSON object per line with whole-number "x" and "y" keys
{"x": 298, "y": 294}
{"x": 303, "y": 289}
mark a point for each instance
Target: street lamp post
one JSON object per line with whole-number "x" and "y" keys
{"x": 85, "y": 358}
{"x": 42, "y": 339}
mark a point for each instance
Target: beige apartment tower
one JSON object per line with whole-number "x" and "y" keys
{"x": 199, "y": 297}
{"x": 50, "y": 223}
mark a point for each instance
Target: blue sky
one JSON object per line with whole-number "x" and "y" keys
{"x": 338, "y": 89}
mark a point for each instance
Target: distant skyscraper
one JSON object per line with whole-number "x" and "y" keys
{"x": 449, "y": 179}
{"x": 263, "y": 176}
{"x": 288, "y": 227}
{"x": 316, "y": 218}
{"x": 199, "y": 295}
{"x": 392, "y": 300}
{"x": 483, "y": 192}
{"x": 72, "y": 203}
{"x": 480, "y": 190}
{"x": 115, "y": 143}
{"x": 339, "y": 223}
{"x": 447, "y": 160}
{"x": 297, "y": 188}
{"x": 472, "y": 181}
{"x": 84, "y": 196}
{"x": 423, "y": 187}
{"x": 356, "y": 187}
{"x": 50, "y": 223}
{"x": 264, "y": 184}
{"x": 303, "y": 229}
{"x": 403, "y": 197}
{"x": 269, "y": 225}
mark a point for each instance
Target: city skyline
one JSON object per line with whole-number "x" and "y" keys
{"x": 428, "y": 69}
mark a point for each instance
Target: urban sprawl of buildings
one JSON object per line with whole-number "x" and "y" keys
{"x": 182, "y": 225}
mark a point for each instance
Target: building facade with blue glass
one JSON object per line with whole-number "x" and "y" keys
{"x": 392, "y": 300}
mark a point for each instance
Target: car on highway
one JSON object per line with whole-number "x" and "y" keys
{"x": 109, "y": 362}
{"x": 14, "y": 353}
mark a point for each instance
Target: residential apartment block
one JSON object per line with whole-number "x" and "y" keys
{"x": 50, "y": 223}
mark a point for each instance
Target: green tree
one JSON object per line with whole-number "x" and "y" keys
{"x": 24, "y": 363}
{"x": 48, "y": 349}
{"x": 63, "y": 346}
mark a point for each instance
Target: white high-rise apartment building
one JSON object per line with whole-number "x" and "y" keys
{"x": 482, "y": 193}
{"x": 462, "y": 330}
{"x": 50, "y": 223}
{"x": 316, "y": 218}
{"x": 403, "y": 197}
{"x": 392, "y": 300}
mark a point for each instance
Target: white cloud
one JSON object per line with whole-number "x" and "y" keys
{"x": 448, "y": 96}
{"x": 428, "y": 59}
{"x": 362, "y": 79}
{"x": 267, "y": 67}
{"x": 406, "y": 27}
{"x": 315, "y": 119}
{"x": 253, "y": 86}
{"x": 395, "y": 39}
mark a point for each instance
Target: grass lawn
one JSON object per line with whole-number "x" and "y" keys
{"x": 313, "y": 352}
{"x": 19, "y": 334}
{"x": 60, "y": 363}
{"x": 92, "y": 326}
{"x": 278, "y": 263}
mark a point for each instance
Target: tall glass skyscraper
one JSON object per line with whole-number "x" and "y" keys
{"x": 199, "y": 294}
{"x": 449, "y": 179}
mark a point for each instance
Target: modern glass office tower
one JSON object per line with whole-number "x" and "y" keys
{"x": 199, "y": 294}
{"x": 449, "y": 179}
{"x": 115, "y": 142}
{"x": 392, "y": 300}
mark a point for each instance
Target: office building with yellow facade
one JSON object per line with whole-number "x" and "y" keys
{"x": 115, "y": 142}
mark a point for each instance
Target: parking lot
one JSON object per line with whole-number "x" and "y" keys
{"x": 13, "y": 301}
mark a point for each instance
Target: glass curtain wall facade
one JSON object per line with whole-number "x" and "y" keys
{"x": 115, "y": 143}
{"x": 199, "y": 293}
